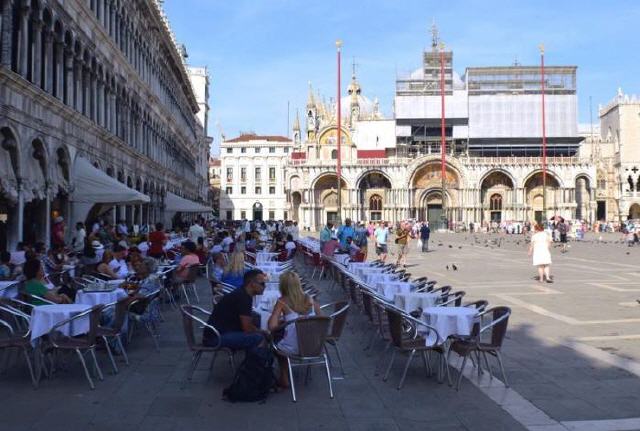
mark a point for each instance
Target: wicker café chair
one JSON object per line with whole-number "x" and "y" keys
{"x": 15, "y": 334}
{"x": 413, "y": 344}
{"x": 189, "y": 317}
{"x": 496, "y": 330}
{"x": 82, "y": 344}
{"x": 339, "y": 311}
{"x": 312, "y": 334}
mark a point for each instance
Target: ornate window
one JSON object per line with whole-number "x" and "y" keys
{"x": 495, "y": 203}
{"x": 375, "y": 207}
{"x": 334, "y": 154}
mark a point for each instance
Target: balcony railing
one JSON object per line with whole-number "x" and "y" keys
{"x": 403, "y": 161}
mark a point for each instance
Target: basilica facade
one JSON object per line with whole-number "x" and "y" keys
{"x": 392, "y": 168}
{"x": 97, "y": 116}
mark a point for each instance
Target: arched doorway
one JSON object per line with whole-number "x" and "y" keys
{"x": 634, "y": 212}
{"x": 495, "y": 208}
{"x": 534, "y": 192}
{"x": 496, "y": 190}
{"x": 373, "y": 191}
{"x": 427, "y": 182}
{"x": 257, "y": 211}
{"x": 325, "y": 199}
{"x": 8, "y": 188}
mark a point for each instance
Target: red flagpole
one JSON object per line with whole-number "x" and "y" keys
{"x": 339, "y": 135}
{"x": 443, "y": 141}
{"x": 544, "y": 138}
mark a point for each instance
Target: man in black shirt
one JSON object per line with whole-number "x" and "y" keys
{"x": 232, "y": 316}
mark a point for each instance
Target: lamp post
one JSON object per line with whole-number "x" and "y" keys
{"x": 338, "y": 135}
{"x": 443, "y": 140}
{"x": 544, "y": 139}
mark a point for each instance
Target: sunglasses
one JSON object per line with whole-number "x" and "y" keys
{"x": 261, "y": 283}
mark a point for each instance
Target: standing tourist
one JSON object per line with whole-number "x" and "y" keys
{"x": 196, "y": 231}
{"x": 361, "y": 239}
{"x": 57, "y": 232}
{"x": 346, "y": 231}
{"x": 402, "y": 240}
{"x": 381, "y": 234}
{"x": 540, "y": 251}
{"x": 325, "y": 234}
{"x": 78, "y": 239}
{"x": 425, "y": 233}
{"x": 157, "y": 241}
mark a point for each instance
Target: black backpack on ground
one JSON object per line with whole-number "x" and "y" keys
{"x": 254, "y": 378}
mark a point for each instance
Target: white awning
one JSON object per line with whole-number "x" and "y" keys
{"x": 174, "y": 203}
{"x": 94, "y": 186}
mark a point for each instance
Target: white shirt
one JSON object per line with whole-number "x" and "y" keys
{"x": 143, "y": 247}
{"x": 216, "y": 249}
{"x": 123, "y": 229}
{"x": 295, "y": 232}
{"x": 290, "y": 246}
{"x": 80, "y": 236}
{"x": 119, "y": 267}
{"x": 196, "y": 231}
{"x": 225, "y": 242}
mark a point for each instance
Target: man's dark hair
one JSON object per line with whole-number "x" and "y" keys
{"x": 118, "y": 248}
{"x": 159, "y": 226}
{"x": 31, "y": 268}
{"x": 190, "y": 246}
{"x": 5, "y": 256}
{"x": 39, "y": 247}
{"x": 250, "y": 276}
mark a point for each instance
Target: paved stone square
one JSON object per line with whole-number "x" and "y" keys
{"x": 571, "y": 357}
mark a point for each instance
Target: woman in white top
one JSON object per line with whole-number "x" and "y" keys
{"x": 539, "y": 249}
{"x": 293, "y": 304}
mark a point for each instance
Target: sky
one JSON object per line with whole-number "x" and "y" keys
{"x": 261, "y": 54}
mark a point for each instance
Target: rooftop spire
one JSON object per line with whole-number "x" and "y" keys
{"x": 296, "y": 122}
{"x": 435, "y": 37}
{"x": 311, "y": 101}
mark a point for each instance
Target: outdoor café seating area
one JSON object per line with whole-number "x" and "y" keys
{"x": 396, "y": 318}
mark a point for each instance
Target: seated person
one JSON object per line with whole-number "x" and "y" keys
{"x": 143, "y": 245}
{"x": 6, "y": 269}
{"x": 134, "y": 256}
{"x": 35, "y": 285}
{"x": 217, "y": 246}
{"x": 218, "y": 266}
{"x": 290, "y": 246}
{"x": 104, "y": 267}
{"x": 329, "y": 248}
{"x": 54, "y": 259}
{"x": 234, "y": 271}
{"x": 189, "y": 258}
{"x": 118, "y": 265}
{"x": 293, "y": 303}
{"x": 232, "y": 316}
{"x": 148, "y": 282}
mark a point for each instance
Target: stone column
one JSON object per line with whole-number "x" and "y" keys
{"x": 77, "y": 75}
{"x": 47, "y": 216}
{"x": 93, "y": 90}
{"x": 23, "y": 42}
{"x": 36, "y": 54}
{"x": 20, "y": 211}
{"x": 65, "y": 67}
{"x": 6, "y": 24}
{"x": 48, "y": 62}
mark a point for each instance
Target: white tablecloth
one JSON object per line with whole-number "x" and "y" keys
{"x": 449, "y": 321}
{"x": 95, "y": 298}
{"x": 377, "y": 277}
{"x": 353, "y": 266}
{"x": 45, "y": 317}
{"x": 367, "y": 270}
{"x": 414, "y": 300}
{"x": 311, "y": 243}
{"x": 267, "y": 300}
{"x": 342, "y": 258}
{"x": 263, "y": 256}
{"x": 9, "y": 289}
{"x": 390, "y": 289}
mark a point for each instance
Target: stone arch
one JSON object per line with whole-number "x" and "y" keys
{"x": 497, "y": 183}
{"x": 552, "y": 178}
{"x": 9, "y": 143}
{"x": 634, "y": 212}
{"x": 368, "y": 172}
{"x": 534, "y": 193}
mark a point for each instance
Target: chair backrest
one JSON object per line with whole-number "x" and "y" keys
{"x": 187, "y": 325}
{"x": 121, "y": 310}
{"x": 395, "y": 326}
{"x": 479, "y": 305}
{"x": 499, "y": 322}
{"x": 311, "y": 333}
{"x": 338, "y": 318}
{"x": 192, "y": 275}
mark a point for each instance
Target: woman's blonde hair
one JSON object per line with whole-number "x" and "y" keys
{"x": 291, "y": 291}
{"x": 236, "y": 264}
